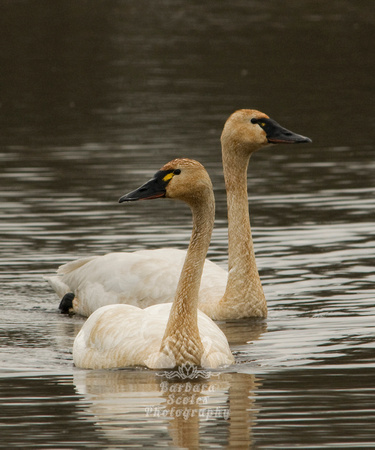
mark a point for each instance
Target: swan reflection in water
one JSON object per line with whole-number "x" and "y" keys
{"x": 132, "y": 406}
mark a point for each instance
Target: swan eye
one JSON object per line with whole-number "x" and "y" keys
{"x": 177, "y": 172}
{"x": 261, "y": 124}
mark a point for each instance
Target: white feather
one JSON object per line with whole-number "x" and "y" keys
{"x": 142, "y": 278}
{"x": 116, "y": 336}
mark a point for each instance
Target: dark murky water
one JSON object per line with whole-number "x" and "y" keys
{"x": 96, "y": 96}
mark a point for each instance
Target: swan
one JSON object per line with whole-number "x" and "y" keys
{"x": 170, "y": 334}
{"x": 148, "y": 277}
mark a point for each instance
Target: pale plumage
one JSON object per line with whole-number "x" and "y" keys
{"x": 119, "y": 278}
{"x": 131, "y": 278}
{"x": 129, "y": 336}
{"x": 166, "y": 335}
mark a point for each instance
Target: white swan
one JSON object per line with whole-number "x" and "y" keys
{"x": 148, "y": 277}
{"x": 164, "y": 335}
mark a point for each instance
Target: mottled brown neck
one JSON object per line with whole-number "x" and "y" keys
{"x": 244, "y": 296}
{"x": 181, "y": 337}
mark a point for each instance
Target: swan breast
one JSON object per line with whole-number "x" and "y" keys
{"x": 117, "y": 336}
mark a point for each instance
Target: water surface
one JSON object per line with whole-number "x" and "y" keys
{"x": 94, "y": 99}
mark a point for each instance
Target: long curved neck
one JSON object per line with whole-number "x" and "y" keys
{"x": 181, "y": 337}
{"x": 244, "y": 296}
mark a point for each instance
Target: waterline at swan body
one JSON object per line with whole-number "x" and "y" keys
{"x": 165, "y": 335}
{"x": 150, "y": 276}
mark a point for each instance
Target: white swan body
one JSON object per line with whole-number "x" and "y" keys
{"x": 166, "y": 335}
{"x": 131, "y": 278}
{"x": 130, "y": 336}
{"x": 238, "y": 293}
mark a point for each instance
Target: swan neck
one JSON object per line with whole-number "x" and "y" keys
{"x": 244, "y": 291}
{"x": 181, "y": 337}
{"x": 239, "y": 230}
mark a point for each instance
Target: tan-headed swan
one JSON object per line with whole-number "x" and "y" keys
{"x": 149, "y": 277}
{"x": 169, "y": 334}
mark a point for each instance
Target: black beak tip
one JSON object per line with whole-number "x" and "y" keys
{"x": 124, "y": 199}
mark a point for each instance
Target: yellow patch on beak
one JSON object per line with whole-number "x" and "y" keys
{"x": 168, "y": 176}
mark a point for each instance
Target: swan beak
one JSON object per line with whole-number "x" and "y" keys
{"x": 154, "y": 188}
{"x": 276, "y": 134}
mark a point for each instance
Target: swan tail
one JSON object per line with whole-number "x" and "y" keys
{"x": 74, "y": 265}
{"x": 58, "y": 285}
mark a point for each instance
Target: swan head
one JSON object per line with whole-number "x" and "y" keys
{"x": 184, "y": 179}
{"x": 251, "y": 130}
